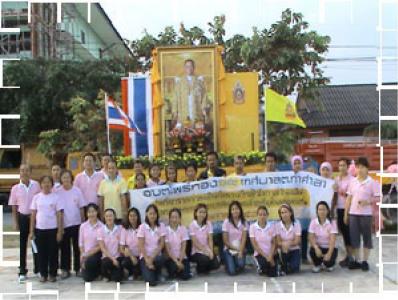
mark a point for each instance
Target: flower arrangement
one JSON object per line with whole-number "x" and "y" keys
{"x": 225, "y": 159}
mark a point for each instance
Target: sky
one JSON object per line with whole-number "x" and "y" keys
{"x": 351, "y": 24}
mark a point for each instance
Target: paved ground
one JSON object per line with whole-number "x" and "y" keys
{"x": 337, "y": 281}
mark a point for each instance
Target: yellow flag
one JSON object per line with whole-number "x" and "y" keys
{"x": 281, "y": 109}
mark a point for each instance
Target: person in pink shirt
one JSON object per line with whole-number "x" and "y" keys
{"x": 234, "y": 233}
{"x": 171, "y": 174}
{"x": 262, "y": 237}
{"x": 109, "y": 240}
{"x": 154, "y": 176}
{"x": 343, "y": 181}
{"x": 129, "y": 244}
{"x": 288, "y": 239}
{"x": 297, "y": 163}
{"x": 177, "y": 264}
{"x": 89, "y": 180}
{"x": 322, "y": 238}
{"x": 21, "y": 196}
{"x": 74, "y": 203}
{"x": 362, "y": 193}
{"x": 46, "y": 228}
{"x": 201, "y": 233}
{"x": 151, "y": 235}
{"x": 90, "y": 252}
{"x": 326, "y": 170}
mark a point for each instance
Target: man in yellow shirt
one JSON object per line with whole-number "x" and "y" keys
{"x": 113, "y": 193}
{"x": 138, "y": 169}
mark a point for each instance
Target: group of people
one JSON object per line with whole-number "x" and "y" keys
{"x": 93, "y": 216}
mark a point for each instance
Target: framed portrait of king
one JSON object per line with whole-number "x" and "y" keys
{"x": 189, "y": 92}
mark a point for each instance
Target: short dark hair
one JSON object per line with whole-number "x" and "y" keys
{"x": 271, "y": 154}
{"x": 127, "y": 223}
{"x": 48, "y": 177}
{"x": 212, "y": 153}
{"x": 262, "y": 207}
{"x": 168, "y": 167}
{"x": 239, "y": 157}
{"x": 191, "y": 164}
{"x": 363, "y": 161}
{"x": 111, "y": 210}
{"x": 345, "y": 159}
{"x": 175, "y": 209}
{"x": 191, "y": 61}
{"x": 94, "y": 206}
{"x": 89, "y": 154}
{"x": 155, "y": 208}
{"x": 66, "y": 171}
{"x": 199, "y": 206}
{"x": 137, "y": 162}
{"x": 154, "y": 165}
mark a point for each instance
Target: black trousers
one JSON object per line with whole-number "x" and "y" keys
{"x": 133, "y": 270}
{"x": 344, "y": 229}
{"x": 110, "y": 271}
{"x": 92, "y": 267}
{"x": 265, "y": 267}
{"x": 173, "y": 271}
{"x": 319, "y": 260}
{"x": 70, "y": 238}
{"x": 204, "y": 264}
{"x": 47, "y": 246}
{"x": 24, "y": 225}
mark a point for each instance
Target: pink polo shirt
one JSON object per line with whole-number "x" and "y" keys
{"x": 111, "y": 239}
{"x": 263, "y": 237}
{"x": 201, "y": 233}
{"x": 46, "y": 207}
{"x": 234, "y": 233}
{"x": 323, "y": 232}
{"x": 288, "y": 234}
{"x": 89, "y": 185}
{"x": 72, "y": 201}
{"x": 151, "y": 183}
{"x": 175, "y": 238}
{"x": 22, "y": 195}
{"x": 88, "y": 235}
{"x": 151, "y": 237}
{"x": 342, "y": 187}
{"x": 129, "y": 238}
{"x": 368, "y": 190}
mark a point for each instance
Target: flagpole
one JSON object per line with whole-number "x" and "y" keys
{"x": 107, "y": 124}
{"x": 265, "y": 119}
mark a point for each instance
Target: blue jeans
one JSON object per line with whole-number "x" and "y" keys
{"x": 233, "y": 264}
{"x": 152, "y": 276}
{"x": 290, "y": 261}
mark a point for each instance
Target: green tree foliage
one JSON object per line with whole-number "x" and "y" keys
{"x": 60, "y": 98}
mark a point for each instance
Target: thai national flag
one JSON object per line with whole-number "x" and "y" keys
{"x": 118, "y": 119}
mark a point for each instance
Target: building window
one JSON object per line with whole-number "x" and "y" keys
{"x": 83, "y": 37}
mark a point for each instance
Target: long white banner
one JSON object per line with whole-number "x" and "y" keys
{"x": 302, "y": 191}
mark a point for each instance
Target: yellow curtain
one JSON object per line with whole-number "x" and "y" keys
{"x": 222, "y": 123}
{"x": 157, "y": 103}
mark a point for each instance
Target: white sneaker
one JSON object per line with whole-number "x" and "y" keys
{"x": 330, "y": 269}
{"x": 130, "y": 278}
{"x": 22, "y": 278}
{"x": 37, "y": 275}
{"x": 316, "y": 269}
